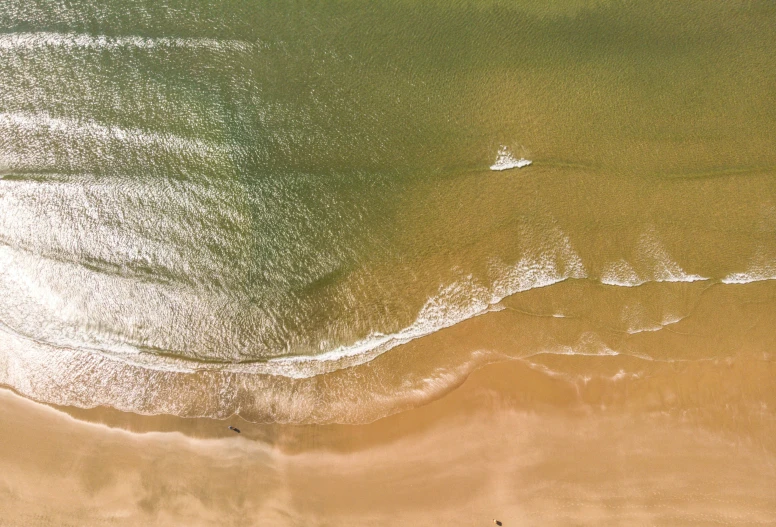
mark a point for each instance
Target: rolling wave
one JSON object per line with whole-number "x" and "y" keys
{"x": 655, "y": 264}
{"x": 461, "y": 300}
{"x": 762, "y": 267}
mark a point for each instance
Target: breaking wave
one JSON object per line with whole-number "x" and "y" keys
{"x": 761, "y": 268}
{"x": 655, "y": 265}
{"x": 463, "y": 299}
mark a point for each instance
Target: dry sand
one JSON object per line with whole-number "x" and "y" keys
{"x": 691, "y": 444}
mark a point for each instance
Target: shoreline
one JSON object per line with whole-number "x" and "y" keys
{"x": 512, "y": 442}
{"x": 655, "y": 322}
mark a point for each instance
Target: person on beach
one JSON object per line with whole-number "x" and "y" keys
{"x": 233, "y": 429}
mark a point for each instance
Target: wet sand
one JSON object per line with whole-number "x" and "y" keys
{"x": 239, "y": 208}
{"x": 690, "y": 444}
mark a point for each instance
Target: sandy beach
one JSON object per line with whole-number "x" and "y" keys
{"x": 511, "y": 443}
{"x": 441, "y": 262}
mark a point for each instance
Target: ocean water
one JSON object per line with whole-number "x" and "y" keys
{"x": 288, "y": 212}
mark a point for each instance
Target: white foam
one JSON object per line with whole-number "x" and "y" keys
{"x": 570, "y": 350}
{"x": 622, "y": 274}
{"x": 506, "y": 160}
{"x": 467, "y": 297}
{"x": 762, "y": 268}
{"x": 40, "y": 40}
{"x": 455, "y": 303}
{"x": 68, "y": 320}
{"x": 589, "y": 344}
{"x": 748, "y": 278}
{"x": 441, "y": 311}
{"x": 668, "y": 320}
{"x": 665, "y": 269}
{"x": 656, "y": 265}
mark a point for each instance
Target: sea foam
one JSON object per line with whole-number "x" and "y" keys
{"x": 457, "y": 302}
{"x": 762, "y": 267}
{"x": 655, "y": 265}
{"x": 554, "y": 261}
{"x": 622, "y": 274}
{"x": 465, "y": 298}
{"x": 506, "y": 160}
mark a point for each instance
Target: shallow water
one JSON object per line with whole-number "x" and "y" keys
{"x": 277, "y": 210}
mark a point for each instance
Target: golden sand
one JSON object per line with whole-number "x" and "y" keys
{"x": 691, "y": 444}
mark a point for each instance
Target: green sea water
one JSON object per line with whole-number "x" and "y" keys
{"x": 203, "y": 204}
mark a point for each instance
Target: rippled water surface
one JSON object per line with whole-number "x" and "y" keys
{"x": 278, "y": 209}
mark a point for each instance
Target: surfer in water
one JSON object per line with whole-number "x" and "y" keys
{"x": 233, "y": 429}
